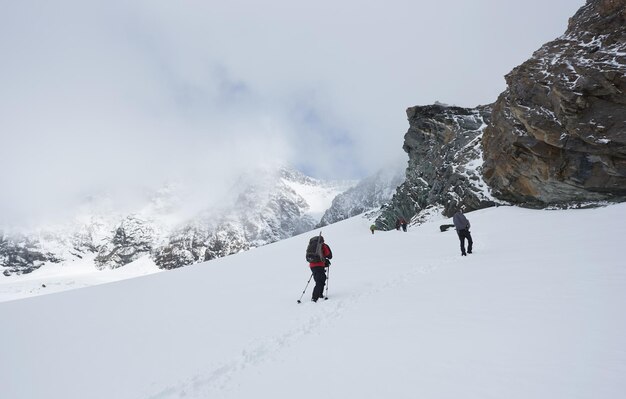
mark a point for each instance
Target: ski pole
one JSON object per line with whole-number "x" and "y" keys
{"x": 307, "y": 286}
{"x": 327, "y": 281}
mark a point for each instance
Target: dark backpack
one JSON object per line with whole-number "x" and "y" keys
{"x": 314, "y": 250}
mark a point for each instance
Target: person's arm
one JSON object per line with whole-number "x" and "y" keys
{"x": 328, "y": 254}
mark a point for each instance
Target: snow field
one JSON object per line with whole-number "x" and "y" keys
{"x": 536, "y": 312}
{"x": 70, "y": 274}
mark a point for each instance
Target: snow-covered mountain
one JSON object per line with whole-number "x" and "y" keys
{"x": 263, "y": 206}
{"x": 370, "y": 193}
{"x": 24, "y": 250}
{"x": 408, "y": 317}
{"x": 274, "y": 205}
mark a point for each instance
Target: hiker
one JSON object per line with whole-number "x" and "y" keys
{"x": 398, "y": 224}
{"x": 403, "y": 224}
{"x": 462, "y": 226}
{"x": 318, "y": 267}
{"x": 372, "y": 228}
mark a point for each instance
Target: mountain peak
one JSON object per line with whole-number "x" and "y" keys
{"x": 266, "y": 204}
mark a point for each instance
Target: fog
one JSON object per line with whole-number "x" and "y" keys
{"x": 122, "y": 96}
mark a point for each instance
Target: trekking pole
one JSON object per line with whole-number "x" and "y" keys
{"x": 327, "y": 281}
{"x": 307, "y": 286}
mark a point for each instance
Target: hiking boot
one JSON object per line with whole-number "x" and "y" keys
{"x": 469, "y": 252}
{"x": 464, "y": 254}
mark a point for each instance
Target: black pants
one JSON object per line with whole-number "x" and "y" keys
{"x": 463, "y": 234}
{"x": 319, "y": 275}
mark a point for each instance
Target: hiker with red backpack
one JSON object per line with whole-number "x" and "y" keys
{"x": 318, "y": 254}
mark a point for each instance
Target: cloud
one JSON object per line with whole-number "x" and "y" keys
{"x": 116, "y": 95}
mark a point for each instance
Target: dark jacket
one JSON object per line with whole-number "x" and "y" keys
{"x": 460, "y": 221}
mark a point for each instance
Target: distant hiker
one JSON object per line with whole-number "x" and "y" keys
{"x": 462, "y": 226}
{"x": 318, "y": 255}
{"x": 403, "y": 224}
{"x": 372, "y": 228}
{"x": 398, "y": 224}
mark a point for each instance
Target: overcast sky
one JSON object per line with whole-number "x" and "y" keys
{"x": 102, "y": 95}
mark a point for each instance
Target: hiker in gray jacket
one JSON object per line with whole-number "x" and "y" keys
{"x": 462, "y": 226}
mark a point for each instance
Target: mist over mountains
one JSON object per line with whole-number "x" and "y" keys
{"x": 544, "y": 163}
{"x": 172, "y": 229}
{"x": 553, "y": 138}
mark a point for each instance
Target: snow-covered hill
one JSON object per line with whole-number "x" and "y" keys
{"x": 536, "y": 312}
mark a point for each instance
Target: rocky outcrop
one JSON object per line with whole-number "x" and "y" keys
{"x": 200, "y": 242}
{"x": 133, "y": 238}
{"x": 21, "y": 254}
{"x": 557, "y": 135}
{"x": 445, "y": 162}
{"x": 558, "y": 132}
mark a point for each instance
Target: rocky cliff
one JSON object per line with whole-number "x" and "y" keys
{"x": 556, "y": 135}
{"x": 131, "y": 239}
{"x": 21, "y": 254}
{"x": 445, "y": 163}
{"x": 558, "y": 132}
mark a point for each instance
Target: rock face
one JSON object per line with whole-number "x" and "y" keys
{"x": 132, "y": 239}
{"x": 445, "y": 158}
{"x": 558, "y": 132}
{"x": 199, "y": 242}
{"x": 370, "y": 193}
{"x": 22, "y": 254}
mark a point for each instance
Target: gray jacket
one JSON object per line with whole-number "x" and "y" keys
{"x": 460, "y": 221}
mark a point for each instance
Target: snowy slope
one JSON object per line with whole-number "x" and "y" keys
{"x": 79, "y": 273}
{"x": 536, "y": 312}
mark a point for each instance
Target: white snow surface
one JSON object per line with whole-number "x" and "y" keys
{"x": 68, "y": 275}
{"x": 537, "y": 311}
